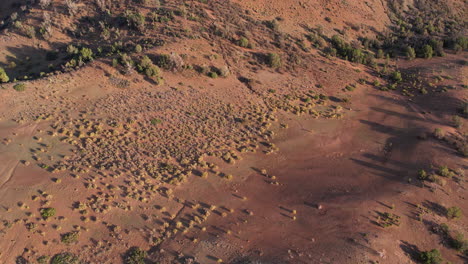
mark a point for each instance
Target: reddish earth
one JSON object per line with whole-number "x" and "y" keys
{"x": 288, "y": 165}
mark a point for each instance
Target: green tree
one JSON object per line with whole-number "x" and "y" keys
{"x": 410, "y": 53}
{"x": 427, "y": 51}
{"x": 431, "y": 257}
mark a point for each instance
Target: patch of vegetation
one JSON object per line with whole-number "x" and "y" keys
{"x": 243, "y": 42}
{"x": 43, "y": 259}
{"x": 3, "y": 76}
{"x": 274, "y": 60}
{"x": 431, "y": 257}
{"x": 388, "y": 219}
{"x": 46, "y": 213}
{"x": 65, "y": 258}
{"x": 70, "y": 237}
{"x": 147, "y": 67}
{"x": 20, "y": 87}
{"x": 135, "y": 255}
{"x": 454, "y": 212}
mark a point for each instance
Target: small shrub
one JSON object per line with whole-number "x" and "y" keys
{"x": 20, "y": 87}
{"x": 444, "y": 171}
{"x": 155, "y": 121}
{"x": 380, "y": 54}
{"x": 71, "y": 237}
{"x": 431, "y": 257}
{"x": 454, "y": 212}
{"x": 138, "y": 48}
{"x": 396, "y": 76}
{"x": 274, "y": 60}
{"x": 213, "y": 75}
{"x": 135, "y": 255}
{"x": 3, "y": 76}
{"x": 46, "y": 213}
{"x": 65, "y": 258}
{"x": 243, "y": 42}
{"x": 43, "y": 259}
{"x": 422, "y": 175}
{"x": 439, "y": 133}
{"x": 457, "y": 121}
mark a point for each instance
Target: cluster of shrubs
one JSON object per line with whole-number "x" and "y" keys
{"x": 346, "y": 51}
{"x": 78, "y": 56}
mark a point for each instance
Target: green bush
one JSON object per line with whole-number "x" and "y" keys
{"x": 431, "y": 257}
{"x": 147, "y": 67}
{"x": 71, "y": 237}
{"x": 422, "y": 174}
{"x": 135, "y": 20}
{"x": 135, "y": 255}
{"x": 243, "y": 42}
{"x": 454, "y": 212}
{"x": 65, "y": 258}
{"x": 459, "y": 242}
{"x": 3, "y": 76}
{"x": 274, "y": 60}
{"x": 396, "y": 76}
{"x": 213, "y": 75}
{"x": 427, "y": 52}
{"x": 444, "y": 171}
{"x": 47, "y": 212}
{"x": 410, "y": 53}
{"x": 20, "y": 87}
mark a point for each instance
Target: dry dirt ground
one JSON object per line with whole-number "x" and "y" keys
{"x": 262, "y": 166}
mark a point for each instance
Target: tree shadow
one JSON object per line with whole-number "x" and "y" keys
{"x": 411, "y": 250}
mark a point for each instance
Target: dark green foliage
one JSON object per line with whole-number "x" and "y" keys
{"x": 64, "y": 258}
{"x": 135, "y": 255}
{"x": 274, "y": 60}
{"x": 347, "y": 52}
{"x": 3, "y": 76}
{"x": 427, "y": 52}
{"x": 431, "y": 257}
{"x": 47, "y": 212}
{"x": 20, "y": 87}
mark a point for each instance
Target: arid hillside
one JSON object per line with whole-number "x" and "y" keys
{"x": 259, "y": 131}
